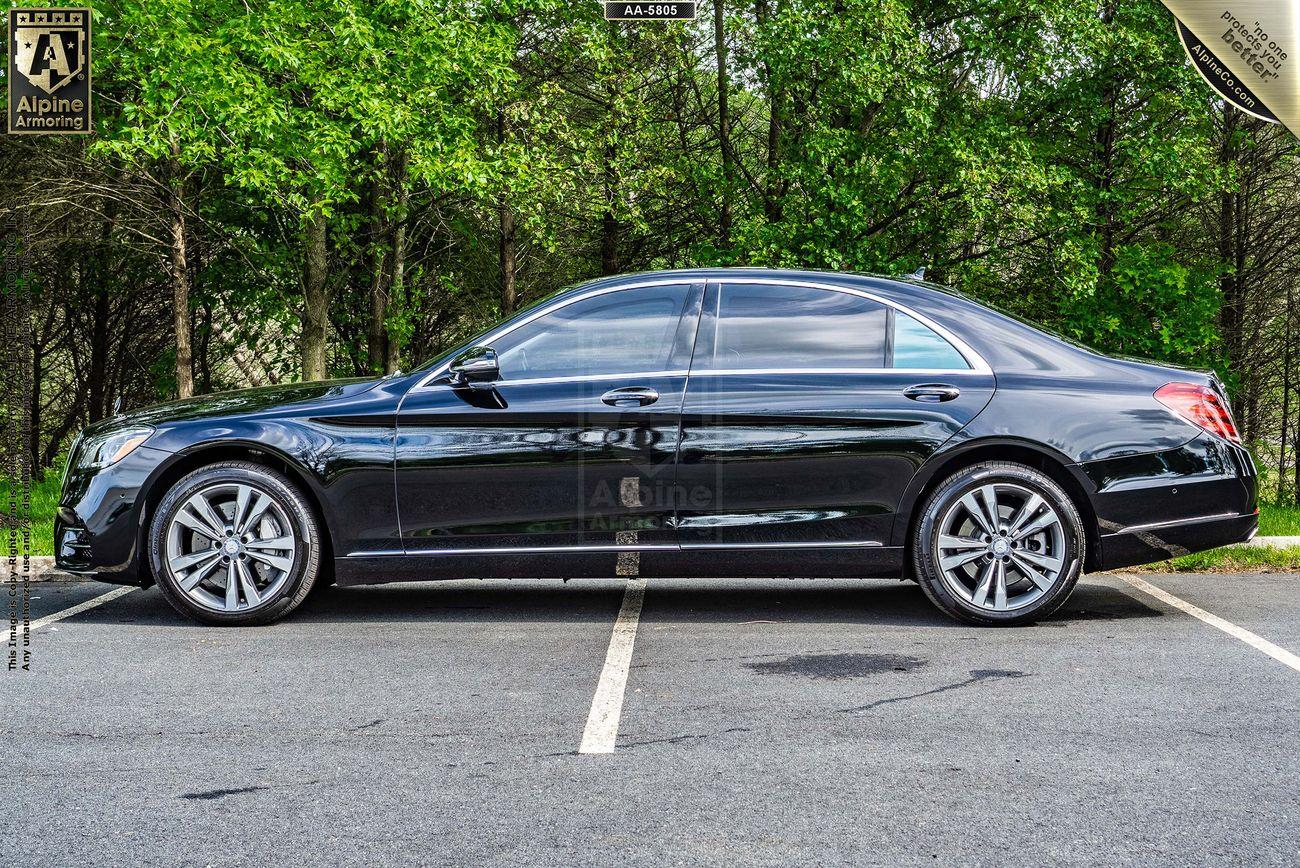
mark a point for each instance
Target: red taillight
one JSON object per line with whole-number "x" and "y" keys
{"x": 1201, "y": 406}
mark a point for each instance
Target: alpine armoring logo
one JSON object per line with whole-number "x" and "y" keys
{"x": 49, "y": 71}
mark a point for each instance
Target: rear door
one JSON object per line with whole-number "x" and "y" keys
{"x": 808, "y": 410}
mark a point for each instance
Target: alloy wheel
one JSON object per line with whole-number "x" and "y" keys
{"x": 1000, "y": 547}
{"x": 231, "y": 547}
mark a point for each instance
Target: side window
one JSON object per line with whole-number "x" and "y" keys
{"x": 618, "y": 332}
{"x": 794, "y": 327}
{"x": 918, "y": 346}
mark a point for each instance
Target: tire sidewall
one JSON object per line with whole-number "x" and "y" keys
{"x": 924, "y": 559}
{"x": 306, "y": 562}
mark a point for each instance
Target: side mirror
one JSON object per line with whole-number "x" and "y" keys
{"x": 476, "y": 368}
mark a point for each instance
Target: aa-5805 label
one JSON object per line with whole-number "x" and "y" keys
{"x": 632, "y": 11}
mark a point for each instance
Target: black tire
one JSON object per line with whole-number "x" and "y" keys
{"x": 298, "y": 580}
{"x": 925, "y": 553}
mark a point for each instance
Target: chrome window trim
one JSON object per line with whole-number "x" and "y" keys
{"x": 734, "y": 372}
{"x": 977, "y": 363}
{"x": 974, "y": 359}
{"x": 505, "y": 330}
{"x": 591, "y": 378}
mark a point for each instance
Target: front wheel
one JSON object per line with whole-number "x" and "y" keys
{"x": 998, "y": 543}
{"x": 234, "y": 544}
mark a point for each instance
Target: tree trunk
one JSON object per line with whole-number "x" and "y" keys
{"x": 1286, "y": 398}
{"x": 315, "y": 297}
{"x": 724, "y": 121}
{"x": 205, "y": 349}
{"x": 397, "y": 291}
{"x": 506, "y": 253}
{"x": 772, "y": 198}
{"x": 34, "y": 409}
{"x": 99, "y": 339}
{"x": 377, "y": 336}
{"x": 508, "y": 264}
{"x": 1229, "y": 282}
{"x": 180, "y": 276}
{"x": 610, "y": 230}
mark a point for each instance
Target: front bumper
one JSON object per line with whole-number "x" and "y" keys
{"x": 99, "y": 524}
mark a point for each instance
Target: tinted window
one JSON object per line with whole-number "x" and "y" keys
{"x": 764, "y": 326}
{"x": 615, "y": 333}
{"x": 918, "y": 346}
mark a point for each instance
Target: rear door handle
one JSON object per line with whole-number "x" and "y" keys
{"x": 630, "y": 396}
{"x": 932, "y": 393}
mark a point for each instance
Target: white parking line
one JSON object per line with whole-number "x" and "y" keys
{"x": 607, "y": 704}
{"x": 1259, "y": 643}
{"x": 81, "y": 607}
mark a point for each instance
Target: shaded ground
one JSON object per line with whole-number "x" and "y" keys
{"x": 767, "y": 722}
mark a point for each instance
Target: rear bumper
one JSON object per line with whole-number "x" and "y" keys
{"x": 1158, "y": 505}
{"x": 1143, "y": 544}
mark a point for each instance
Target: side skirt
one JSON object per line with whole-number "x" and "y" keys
{"x": 757, "y": 563}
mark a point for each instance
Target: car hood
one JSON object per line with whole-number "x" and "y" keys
{"x": 237, "y": 403}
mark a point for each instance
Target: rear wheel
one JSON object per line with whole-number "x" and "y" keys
{"x": 998, "y": 543}
{"x": 234, "y": 544}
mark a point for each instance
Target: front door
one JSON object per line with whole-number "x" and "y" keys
{"x": 574, "y": 447}
{"x": 809, "y": 410}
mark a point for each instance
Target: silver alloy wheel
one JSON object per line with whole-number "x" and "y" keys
{"x": 231, "y": 547}
{"x": 1000, "y": 547}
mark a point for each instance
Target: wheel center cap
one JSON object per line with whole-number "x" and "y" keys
{"x": 1000, "y": 547}
{"x": 231, "y": 547}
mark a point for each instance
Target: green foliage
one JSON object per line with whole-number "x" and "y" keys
{"x": 44, "y": 501}
{"x": 1279, "y": 520}
{"x": 1059, "y": 159}
{"x": 1234, "y": 559}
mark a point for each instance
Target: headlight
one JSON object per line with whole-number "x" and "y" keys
{"x": 108, "y": 449}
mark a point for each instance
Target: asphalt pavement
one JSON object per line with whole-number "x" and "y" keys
{"x": 762, "y": 722}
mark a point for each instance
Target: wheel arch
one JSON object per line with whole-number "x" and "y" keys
{"x": 1045, "y": 459}
{"x": 214, "y": 452}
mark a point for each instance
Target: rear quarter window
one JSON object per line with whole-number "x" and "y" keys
{"x": 917, "y": 346}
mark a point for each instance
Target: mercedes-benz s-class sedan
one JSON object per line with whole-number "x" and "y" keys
{"x": 726, "y": 422}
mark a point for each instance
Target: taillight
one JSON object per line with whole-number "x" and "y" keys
{"x": 1201, "y": 406}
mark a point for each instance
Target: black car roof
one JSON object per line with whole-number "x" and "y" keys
{"x": 1004, "y": 341}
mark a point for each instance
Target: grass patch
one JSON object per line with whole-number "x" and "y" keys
{"x": 45, "y": 499}
{"x": 1279, "y": 521}
{"x": 1233, "y": 559}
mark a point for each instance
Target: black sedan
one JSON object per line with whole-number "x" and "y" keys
{"x": 725, "y": 422}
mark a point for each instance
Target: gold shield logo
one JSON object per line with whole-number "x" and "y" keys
{"x": 50, "y": 48}
{"x": 49, "y": 71}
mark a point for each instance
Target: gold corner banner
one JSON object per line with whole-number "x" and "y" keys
{"x": 1248, "y": 51}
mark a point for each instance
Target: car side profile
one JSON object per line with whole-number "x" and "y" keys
{"x": 711, "y": 422}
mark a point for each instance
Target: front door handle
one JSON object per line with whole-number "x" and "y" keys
{"x": 932, "y": 393}
{"x": 630, "y": 396}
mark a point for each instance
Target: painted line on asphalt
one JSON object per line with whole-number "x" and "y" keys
{"x": 81, "y": 607}
{"x": 607, "y": 704}
{"x": 1259, "y": 643}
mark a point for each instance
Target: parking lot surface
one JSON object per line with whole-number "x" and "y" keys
{"x": 763, "y": 722}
